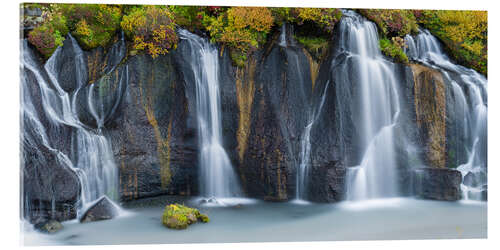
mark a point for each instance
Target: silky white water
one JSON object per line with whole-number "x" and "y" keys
{"x": 375, "y": 177}
{"x": 91, "y": 156}
{"x": 471, "y": 108}
{"x": 378, "y": 219}
{"x": 218, "y": 178}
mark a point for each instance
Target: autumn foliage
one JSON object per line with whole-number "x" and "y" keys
{"x": 392, "y": 22}
{"x": 244, "y": 29}
{"x": 151, "y": 28}
{"x": 50, "y": 35}
{"x": 93, "y": 25}
{"x": 464, "y": 34}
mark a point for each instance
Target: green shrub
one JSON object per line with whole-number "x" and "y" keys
{"x": 316, "y": 46}
{"x": 93, "y": 25}
{"x": 49, "y": 35}
{"x": 392, "y": 48}
{"x": 151, "y": 28}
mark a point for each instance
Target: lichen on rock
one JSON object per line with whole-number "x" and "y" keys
{"x": 178, "y": 216}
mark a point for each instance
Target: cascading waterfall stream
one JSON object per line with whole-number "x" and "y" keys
{"x": 90, "y": 156}
{"x": 470, "y": 109}
{"x": 305, "y": 150}
{"x": 312, "y": 115}
{"x": 375, "y": 177}
{"x": 218, "y": 179}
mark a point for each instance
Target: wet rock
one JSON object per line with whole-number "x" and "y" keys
{"x": 327, "y": 182}
{"x": 152, "y": 135}
{"x": 103, "y": 209}
{"x": 50, "y": 227}
{"x": 438, "y": 184}
{"x": 278, "y": 82}
{"x": 484, "y": 194}
{"x": 50, "y": 187}
{"x": 475, "y": 179}
{"x": 430, "y": 106}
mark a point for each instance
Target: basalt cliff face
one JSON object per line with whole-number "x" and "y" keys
{"x": 144, "y": 108}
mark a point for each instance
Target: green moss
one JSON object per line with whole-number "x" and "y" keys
{"x": 316, "y": 46}
{"x": 178, "y": 216}
{"x": 238, "y": 57}
{"x": 390, "y": 49}
{"x": 204, "y": 218}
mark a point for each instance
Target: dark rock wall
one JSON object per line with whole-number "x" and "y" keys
{"x": 153, "y": 146}
{"x": 147, "y": 109}
{"x": 430, "y": 104}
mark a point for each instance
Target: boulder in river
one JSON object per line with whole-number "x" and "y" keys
{"x": 178, "y": 216}
{"x": 103, "y": 209}
{"x": 50, "y": 226}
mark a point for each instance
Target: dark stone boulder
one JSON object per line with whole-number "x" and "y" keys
{"x": 50, "y": 227}
{"x": 438, "y": 184}
{"x": 327, "y": 182}
{"x": 103, "y": 209}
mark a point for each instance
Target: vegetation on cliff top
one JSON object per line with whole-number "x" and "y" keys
{"x": 93, "y": 25}
{"x": 244, "y": 29}
{"x": 178, "y": 216}
{"x": 464, "y": 34}
{"x": 394, "y": 48}
{"x": 151, "y": 28}
{"x": 393, "y": 25}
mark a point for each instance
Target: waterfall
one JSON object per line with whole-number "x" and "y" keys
{"x": 468, "y": 89}
{"x": 377, "y": 111}
{"x": 305, "y": 149}
{"x": 90, "y": 155}
{"x": 218, "y": 179}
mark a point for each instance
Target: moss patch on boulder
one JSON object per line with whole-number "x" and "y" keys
{"x": 178, "y": 216}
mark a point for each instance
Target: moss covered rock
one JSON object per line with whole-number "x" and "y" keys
{"x": 178, "y": 216}
{"x": 49, "y": 227}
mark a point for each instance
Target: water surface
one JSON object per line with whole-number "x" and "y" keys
{"x": 384, "y": 219}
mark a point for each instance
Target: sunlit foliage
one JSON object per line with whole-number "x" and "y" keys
{"x": 392, "y": 22}
{"x": 151, "y": 28}
{"x": 240, "y": 27}
{"x": 49, "y": 35}
{"x": 464, "y": 34}
{"x": 93, "y": 25}
{"x": 394, "y": 48}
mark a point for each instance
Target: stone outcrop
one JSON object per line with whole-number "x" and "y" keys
{"x": 49, "y": 227}
{"x": 103, "y": 209}
{"x": 430, "y": 105}
{"x": 327, "y": 182}
{"x": 438, "y": 184}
